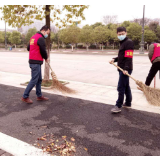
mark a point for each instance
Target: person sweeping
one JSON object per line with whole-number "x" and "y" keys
{"x": 125, "y": 61}
{"x": 154, "y": 56}
{"x": 37, "y": 52}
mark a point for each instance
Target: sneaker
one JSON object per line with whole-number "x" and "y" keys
{"x": 42, "y": 98}
{"x": 115, "y": 109}
{"x": 126, "y": 106}
{"x": 27, "y": 100}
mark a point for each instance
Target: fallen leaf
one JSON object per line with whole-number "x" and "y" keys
{"x": 72, "y": 139}
{"x": 64, "y": 137}
{"x": 44, "y": 126}
{"x": 86, "y": 149}
{"x": 65, "y": 150}
{"x": 73, "y": 148}
{"x": 43, "y": 139}
{"x": 63, "y": 146}
{"x": 38, "y": 144}
{"x": 49, "y": 149}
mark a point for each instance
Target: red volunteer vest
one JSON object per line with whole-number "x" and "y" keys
{"x": 34, "y": 52}
{"x": 156, "y": 51}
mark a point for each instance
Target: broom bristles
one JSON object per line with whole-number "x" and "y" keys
{"x": 152, "y": 95}
{"x": 59, "y": 86}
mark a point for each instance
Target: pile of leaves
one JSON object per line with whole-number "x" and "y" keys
{"x": 56, "y": 147}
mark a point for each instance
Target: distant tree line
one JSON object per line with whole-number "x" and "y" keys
{"x": 96, "y": 36}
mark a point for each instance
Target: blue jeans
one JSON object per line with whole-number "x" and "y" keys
{"x": 124, "y": 89}
{"x": 35, "y": 80}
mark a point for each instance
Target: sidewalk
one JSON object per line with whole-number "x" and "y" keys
{"x": 92, "y": 92}
{"x": 95, "y": 93}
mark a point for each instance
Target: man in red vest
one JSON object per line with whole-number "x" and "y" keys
{"x": 154, "y": 56}
{"x": 37, "y": 52}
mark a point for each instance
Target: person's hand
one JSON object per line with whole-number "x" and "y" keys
{"x": 112, "y": 61}
{"x": 46, "y": 60}
{"x": 125, "y": 72}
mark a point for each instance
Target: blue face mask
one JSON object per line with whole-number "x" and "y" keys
{"x": 46, "y": 35}
{"x": 121, "y": 37}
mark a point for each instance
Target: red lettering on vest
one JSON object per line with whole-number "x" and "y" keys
{"x": 34, "y": 52}
{"x": 156, "y": 51}
{"x": 129, "y": 54}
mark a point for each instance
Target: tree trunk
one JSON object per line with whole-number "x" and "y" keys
{"x": 72, "y": 48}
{"x": 58, "y": 42}
{"x": 87, "y": 47}
{"x": 113, "y": 45}
{"x": 15, "y": 46}
{"x": 102, "y": 47}
{"x": 48, "y": 40}
{"x": 147, "y": 47}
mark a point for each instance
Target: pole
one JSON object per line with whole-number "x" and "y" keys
{"x": 142, "y": 39}
{"x": 5, "y": 38}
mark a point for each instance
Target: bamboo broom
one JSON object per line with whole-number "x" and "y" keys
{"x": 152, "y": 94}
{"x": 58, "y": 85}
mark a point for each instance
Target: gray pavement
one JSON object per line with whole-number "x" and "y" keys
{"x": 85, "y": 116}
{"x": 92, "y": 69}
{"x": 134, "y": 133}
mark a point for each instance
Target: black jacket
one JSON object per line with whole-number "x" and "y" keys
{"x": 42, "y": 46}
{"x": 124, "y": 62}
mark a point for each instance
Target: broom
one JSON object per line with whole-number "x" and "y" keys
{"x": 152, "y": 94}
{"x": 58, "y": 85}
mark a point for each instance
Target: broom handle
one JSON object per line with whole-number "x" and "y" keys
{"x": 49, "y": 66}
{"x": 123, "y": 71}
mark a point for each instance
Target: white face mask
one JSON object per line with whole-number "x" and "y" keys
{"x": 46, "y": 35}
{"x": 122, "y": 37}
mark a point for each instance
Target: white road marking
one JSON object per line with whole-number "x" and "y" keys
{"x": 19, "y": 148}
{"x": 111, "y": 52}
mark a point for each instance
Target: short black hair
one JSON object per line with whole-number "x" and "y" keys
{"x": 45, "y": 28}
{"x": 121, "y": 29}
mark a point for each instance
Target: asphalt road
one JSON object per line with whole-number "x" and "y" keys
{"x": 93, "y": 69}
{"x": 131, "y": 132}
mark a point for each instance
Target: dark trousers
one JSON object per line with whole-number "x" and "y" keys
{"x": 124, "y": 89}
{"x": 35, "y": 80}
{"x": 154, "y": 69}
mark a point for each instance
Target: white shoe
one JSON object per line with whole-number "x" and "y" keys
{"x": 115, "y": 109}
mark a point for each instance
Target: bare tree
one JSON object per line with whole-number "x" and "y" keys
{"x": 157, "y": 20}
{"x": 110, "y": 19}
{"x": 140, "y": 21}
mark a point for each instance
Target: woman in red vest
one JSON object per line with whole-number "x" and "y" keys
{"x": 154, "y": 56}
{"x": 37, "y": 52}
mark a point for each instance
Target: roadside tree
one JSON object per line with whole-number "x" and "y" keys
{"x": 18, "y": 15}
{"x": 149, "y": 37}
{"x": 15, "y": 38}
{"x": 30, "y": 33}
{"x": 1, "y": 37}
{"x": 134, "y": 32}
{"x": 86, "y": 35}
{"x": 70, "y": 35}
{"x": 101, "y": 35}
